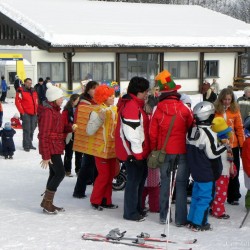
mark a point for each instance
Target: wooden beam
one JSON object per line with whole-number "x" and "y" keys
{"x": 146, "y": 49}
{"x": 117, "y": 68}
{"x": 201, "y": 78}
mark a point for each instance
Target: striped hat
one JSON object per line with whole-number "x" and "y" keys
{"x": 165, "y": 82}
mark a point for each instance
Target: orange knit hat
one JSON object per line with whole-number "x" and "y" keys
{"x": 102, "y": 93}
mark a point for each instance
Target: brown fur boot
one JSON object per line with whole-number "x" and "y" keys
{"x": 58, "y": 209}
{"x": 47, "y": 202}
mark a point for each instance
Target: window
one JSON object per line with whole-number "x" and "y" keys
{"x": 182, "y": 69}
{"x": 211, "y": 69}
{"x": 55, "y": 70}
{"x": 97, "y": 71}
{"x": 142, "y": 64}
{"x": 245, "y": 65}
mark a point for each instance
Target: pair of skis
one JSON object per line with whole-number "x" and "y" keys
{"x": 143, "y": 240}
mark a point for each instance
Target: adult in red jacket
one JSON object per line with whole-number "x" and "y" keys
{"x": 168, "y": 106}
{"x": 132, "y": 145}
{"x": 27, "y": 102}
{"x": 51, "y": 144}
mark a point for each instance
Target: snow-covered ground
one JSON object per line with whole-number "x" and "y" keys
{"x": 23, "y": 225}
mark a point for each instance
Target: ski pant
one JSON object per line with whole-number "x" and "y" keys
{"x": 136, "y": 177}
{"x": 233, "y": 193}
{"x": 221, "y": 186}
{"x": 202, "y": 196}
{"x": 68, "y": 158}
{"x": 56, "y": 173}
{"x": 87, "y": 166}
{"x": 153, "y": 194}
{"x": 181, "y": 188}
{"x": 102, "y": 190}
{"x": 29, "y": 126}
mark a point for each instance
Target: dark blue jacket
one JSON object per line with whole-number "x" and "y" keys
{"x": 203, "y": 154}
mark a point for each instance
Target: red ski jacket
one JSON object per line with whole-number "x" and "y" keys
{"x": 160, "y": 122}
{"x": 26, "y": 101}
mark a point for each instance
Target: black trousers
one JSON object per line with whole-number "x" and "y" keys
{"x": 56, "y": 173}
{"x": 3, "y": 96}
{"x": 233, "y": 193}
{"x": 87, "y": 172}
{"x": 68, "y": 158}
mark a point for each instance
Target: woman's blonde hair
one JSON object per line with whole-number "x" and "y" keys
{"x": 219, "y": 107}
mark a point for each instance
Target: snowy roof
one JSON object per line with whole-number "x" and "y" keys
{"x": 89, "y": 23}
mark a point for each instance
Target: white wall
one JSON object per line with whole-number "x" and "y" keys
{"x": 226, "y": 67}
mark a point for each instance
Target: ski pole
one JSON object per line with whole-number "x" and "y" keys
{"x": 171, "y": 190}
{"x": 245, "y": 217}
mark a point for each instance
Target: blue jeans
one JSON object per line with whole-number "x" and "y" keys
{"x": 136, "y": 176}
{"x": 181, "y": 188}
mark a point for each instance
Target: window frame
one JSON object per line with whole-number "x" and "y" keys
{"x": 138, "y": 64}
{"x": 205, "y": 75}
{"x": 178, "y": 71}
{"x": 53, "y": 78}
{"x": 80, "y": 77}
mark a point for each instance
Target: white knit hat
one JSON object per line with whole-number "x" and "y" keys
{"x": 53, "y": 93}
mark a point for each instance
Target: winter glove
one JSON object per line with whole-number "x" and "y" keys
{"x": 45, "y": 163}
{"x": 247, "y": 200}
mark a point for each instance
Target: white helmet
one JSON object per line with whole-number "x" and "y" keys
{"x": 204, "y": 111}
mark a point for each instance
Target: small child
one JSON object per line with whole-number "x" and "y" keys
{"x": 204, "y": 161}
{"x": 152, "y": 190}
{"x": 15, "y": 121}
{"x": 220, "y": 127}
{"x": 8, "y": 146}
{"x": 246, "y": 160}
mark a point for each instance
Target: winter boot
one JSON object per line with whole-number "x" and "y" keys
{"x": 58, "y": 209}
{"x": 47, "y": 203}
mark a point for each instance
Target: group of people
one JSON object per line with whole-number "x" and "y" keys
{"x": 193, "y": 147}
{"x": 206, "y": 142}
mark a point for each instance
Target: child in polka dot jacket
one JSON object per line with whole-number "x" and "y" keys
{"x": 220, "y": 126}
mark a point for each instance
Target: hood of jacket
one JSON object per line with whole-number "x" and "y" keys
{"x": 169, "y": 103}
